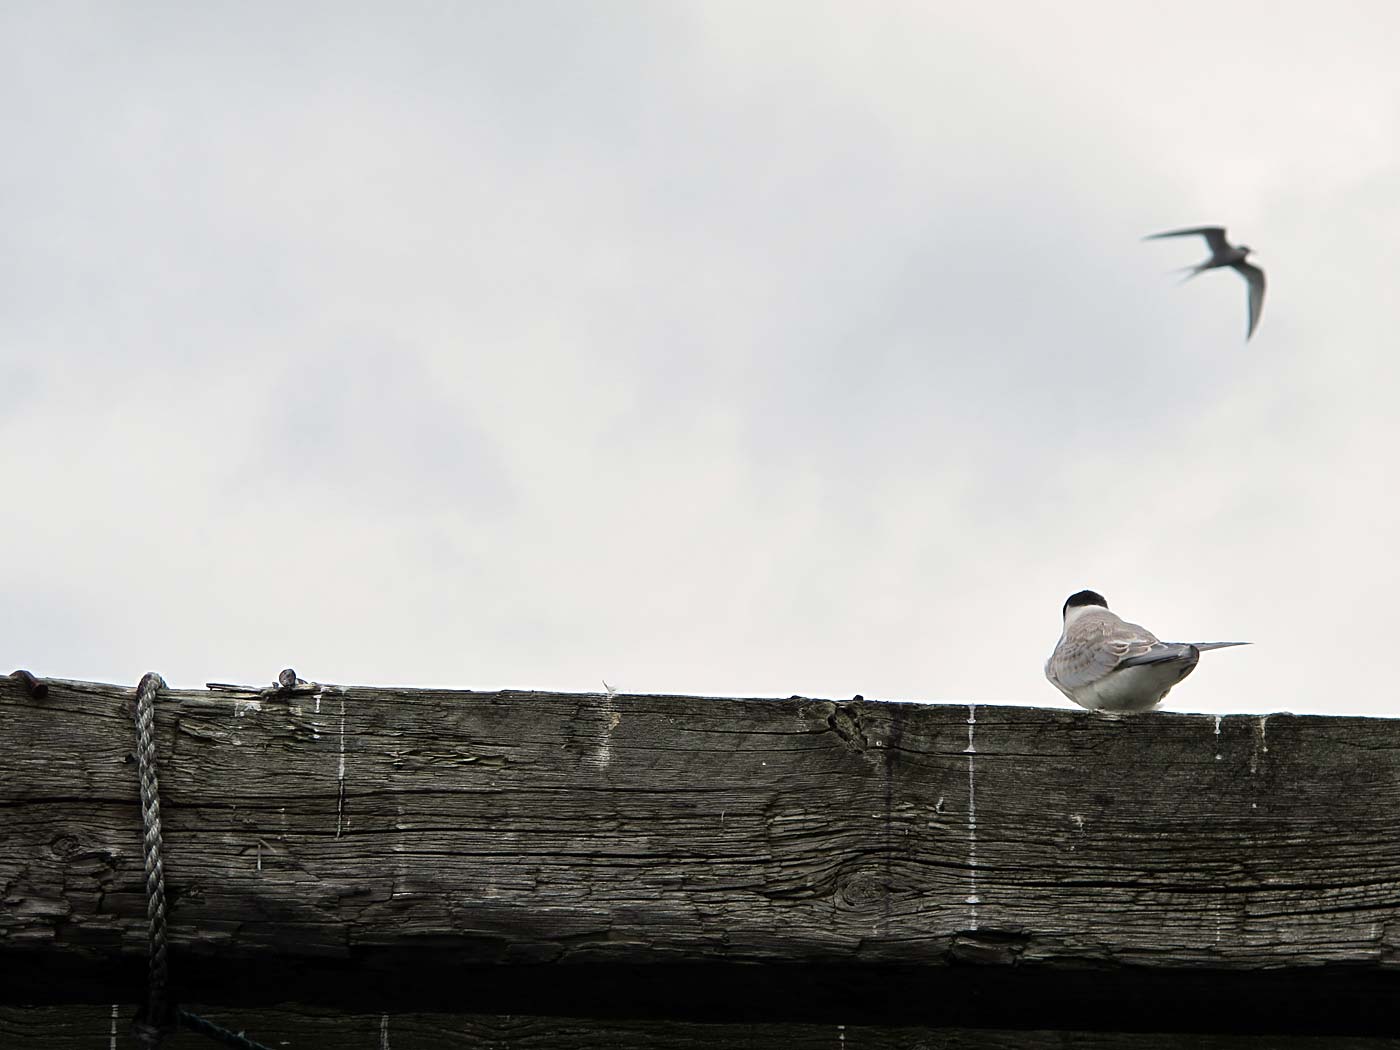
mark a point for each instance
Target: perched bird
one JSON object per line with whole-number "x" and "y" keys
{"x": 1106, "y": 664}
{"x": 1223, "y": 253}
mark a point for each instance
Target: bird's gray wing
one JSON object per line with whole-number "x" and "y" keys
{"x": 1164, "y": 652}
{"x": 1255, "y": 277}
{"x": 1093, "y": 649}
{"x": 1214, "y": 235}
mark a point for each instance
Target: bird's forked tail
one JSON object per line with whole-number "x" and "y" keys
{"x": 1192, "y": 271}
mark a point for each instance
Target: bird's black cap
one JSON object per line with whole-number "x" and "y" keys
{"x": 1084, "y": 598}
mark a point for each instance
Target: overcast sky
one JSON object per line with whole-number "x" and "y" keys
{"x": 724, "y": 348}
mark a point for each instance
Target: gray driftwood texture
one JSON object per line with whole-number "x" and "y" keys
{"x": 684, "y": 858}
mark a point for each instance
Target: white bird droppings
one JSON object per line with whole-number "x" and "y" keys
{"x": 603, "y": 757}
{"x": 340, "y": 775}
{"x": 971, "y": 751}
{"x": 1261, "y": 742}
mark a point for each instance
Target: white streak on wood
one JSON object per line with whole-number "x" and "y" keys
{"x": 1217, "y": 738}
{"x": 1261, "y": 742}
{"x": 242, "y": 707}
{"x": 112, "y": 1042}
{"x": 340, "y": 775}
{"x": 603, "y": 756}
{"x": 383, "y": 1032}
{"x": 971, "y": 751}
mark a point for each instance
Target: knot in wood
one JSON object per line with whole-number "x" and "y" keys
{"x": 862, "y": 891}
{"x": 844, "y": 721}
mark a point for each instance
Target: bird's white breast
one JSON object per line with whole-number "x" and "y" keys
{"x": 1131, "y": 689}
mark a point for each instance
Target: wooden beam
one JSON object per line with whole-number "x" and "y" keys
{"x": 557, "y": 853}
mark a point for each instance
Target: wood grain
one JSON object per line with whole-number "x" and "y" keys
{"x": 433, "y": 850}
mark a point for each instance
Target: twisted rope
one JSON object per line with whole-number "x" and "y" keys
{"x": 151, "y": 1026}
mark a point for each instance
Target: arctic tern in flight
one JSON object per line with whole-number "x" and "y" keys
{"x": 1106, "y": 664}
{"x": 1223, "y": 253}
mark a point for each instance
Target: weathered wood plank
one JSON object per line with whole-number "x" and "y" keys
{"x": 307, "y": 1028}
{"x": 374, "y": 834}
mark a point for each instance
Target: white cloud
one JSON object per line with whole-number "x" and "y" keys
{"x": 715, "y": 348}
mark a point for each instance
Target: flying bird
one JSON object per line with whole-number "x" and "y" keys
{"x": 1106, "y": 664}
{"x": 1223, "y": 253}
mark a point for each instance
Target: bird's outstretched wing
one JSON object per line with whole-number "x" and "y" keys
{"x": 1214, "y": 235}
{"x": 1255, "y": 277}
